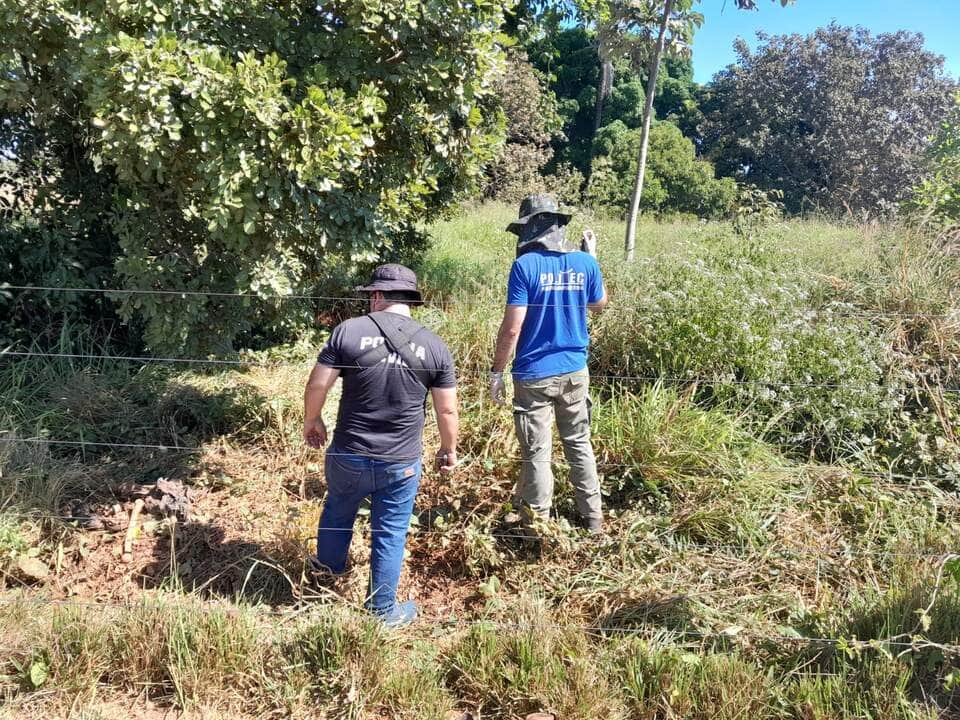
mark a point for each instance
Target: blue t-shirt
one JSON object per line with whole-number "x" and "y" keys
{"x": 556, "y": 288}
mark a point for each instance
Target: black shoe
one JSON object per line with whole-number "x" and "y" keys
{"x": 593, "y": 525}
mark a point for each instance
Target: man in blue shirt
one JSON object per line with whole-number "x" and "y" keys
{"x": 552, "y": 285}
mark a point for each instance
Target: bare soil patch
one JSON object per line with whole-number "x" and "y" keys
{"x": 251, "y": 524}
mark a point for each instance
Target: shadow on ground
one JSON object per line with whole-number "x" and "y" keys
{"x": 198, "y": 558}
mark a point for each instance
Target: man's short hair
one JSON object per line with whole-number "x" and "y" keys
{"x": 407, "y": 297}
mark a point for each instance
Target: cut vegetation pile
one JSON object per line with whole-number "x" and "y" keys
{"x": 774, "y": 412}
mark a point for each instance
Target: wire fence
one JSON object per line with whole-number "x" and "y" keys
{"x": 942, "y": 497}
{"x": 467, "y": 460}
{"x": 600, "y": 629}
{"x": 474, "y": 372}
{"x": 442, "y": 304}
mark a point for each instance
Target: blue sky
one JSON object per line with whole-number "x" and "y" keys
{"x": 938, "y": 20}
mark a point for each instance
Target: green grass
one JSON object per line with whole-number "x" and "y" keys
{"x": 742, "y": 516}
{"x": 205, "y": 657}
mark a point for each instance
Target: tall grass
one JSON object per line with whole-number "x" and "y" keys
{"x": 740, "y": 482}
{"x": 792, "y": 324}
{"x": 204, "y": 658}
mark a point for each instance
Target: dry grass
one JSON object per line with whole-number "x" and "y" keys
{"x": 721, "y": 549}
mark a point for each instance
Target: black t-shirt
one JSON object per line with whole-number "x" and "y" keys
{"x": 382, "y": 407}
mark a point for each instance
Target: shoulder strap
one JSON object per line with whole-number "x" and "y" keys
{"x": 396, "y": 340}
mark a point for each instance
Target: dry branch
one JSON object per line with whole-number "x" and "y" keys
{"x": 131, "y": 530}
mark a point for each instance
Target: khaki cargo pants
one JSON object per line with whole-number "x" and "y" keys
{"x": 535, "y": 404}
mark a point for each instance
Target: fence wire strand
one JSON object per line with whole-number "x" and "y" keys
{"x": 468, "y": 460}
{"x": 664, "y": 540}
{"x": 474, "y": 372}
{"x": 442, "y": 304}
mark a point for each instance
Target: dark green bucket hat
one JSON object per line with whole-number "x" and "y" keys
{"x": 539, "y": 204}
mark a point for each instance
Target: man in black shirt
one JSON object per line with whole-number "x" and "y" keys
{"x": 388, "y": 362}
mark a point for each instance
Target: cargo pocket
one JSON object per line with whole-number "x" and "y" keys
{"x": 575, "y": 411}
{"x": 534, "y": 433}
{"x": 574, "y": 395}
{"x": 524, "y": 428}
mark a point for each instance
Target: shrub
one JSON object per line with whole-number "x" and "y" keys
{"x": 738, "y": 323}
{"x": 242, "y": 144}
{"x": 937, "y": 198}
{"x": 566, "y": 182}
{"x": 675, "y": 181}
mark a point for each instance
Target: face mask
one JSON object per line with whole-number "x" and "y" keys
{"x": 542, "y": 230}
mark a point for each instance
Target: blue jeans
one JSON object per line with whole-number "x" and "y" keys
{"x": 392, "y": 488}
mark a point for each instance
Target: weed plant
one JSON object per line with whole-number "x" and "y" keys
{"x": 202, "y": 658}
{"x": 743, "y": 474}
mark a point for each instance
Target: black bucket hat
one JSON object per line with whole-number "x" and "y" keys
{"x": 393, "y": 277}
{"x": 534, "y": 205}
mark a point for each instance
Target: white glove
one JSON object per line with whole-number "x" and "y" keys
{"x": 588, "y": 243}
{"x": 498, "y": 390}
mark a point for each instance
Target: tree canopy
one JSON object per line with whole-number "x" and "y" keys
{"x": 838, "y": 120}
{"x": 676, "y": 180}
{"x": 237, "y": 146}
{"x": 532, "y": 122}
{"x": 568, "y": 57}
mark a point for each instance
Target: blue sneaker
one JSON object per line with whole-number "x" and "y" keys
{"x": 402, "y": 614}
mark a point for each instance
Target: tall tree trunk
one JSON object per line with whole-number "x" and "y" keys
{"x": 631, "y": 238}
{"x": 603, "y": 92}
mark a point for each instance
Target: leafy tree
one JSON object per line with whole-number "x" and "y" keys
{"x": 625, "y": 101}
{"x": 674, "y": 18}
{"x": 240, "y": 146}
{"x": 675, "y": 88}
{"x": 937, "y": 198}
{"x": 623, "y": 30}
{"x": 532, "y": 121}
{"x": 838, "y": 119}
{"x": 676, "y": 180}
{"x": 568, "y": 58}
{"x": 54, "y": 231}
